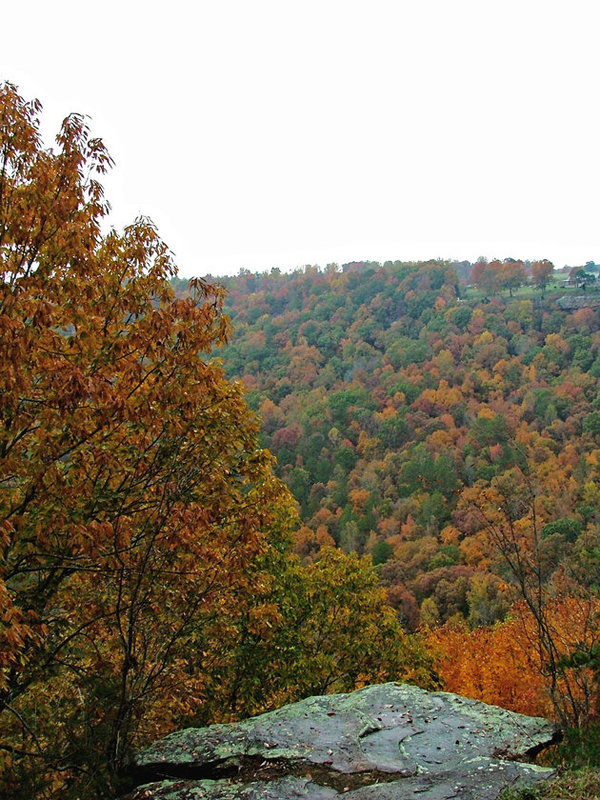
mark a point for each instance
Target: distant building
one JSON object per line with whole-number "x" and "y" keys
{"x": 581, "y": 277}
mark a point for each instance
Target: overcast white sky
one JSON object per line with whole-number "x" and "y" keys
{"x": 261, "y": 133}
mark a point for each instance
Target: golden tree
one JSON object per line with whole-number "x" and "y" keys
{"x": 134, "y": 499}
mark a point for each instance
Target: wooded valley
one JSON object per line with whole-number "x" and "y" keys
{"x": 446, "y": 424}
{"x": 220, "y": 496}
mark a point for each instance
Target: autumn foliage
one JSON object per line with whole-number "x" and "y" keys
{"x": 145, "y": 575}
{"x": 504, "y": 664}
{"x": 134, "y": 495}
{"x": 437, "y": 471}
{"x": 423, "y": 416}
{"x": 495, "y": 664}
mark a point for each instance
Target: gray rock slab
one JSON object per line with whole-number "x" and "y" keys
{"x": 383, "y": 742}
{"x": 276, "y": 789}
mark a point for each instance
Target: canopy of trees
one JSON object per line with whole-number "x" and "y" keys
{"x": 399, "y": 401}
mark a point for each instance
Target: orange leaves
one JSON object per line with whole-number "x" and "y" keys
{"x": 505, "y": 666}
{"x": 435, "y": 402}
{"x": 136, "y": 506}
{"x": 541, "y": 273}
{"x": 494, "y": 665}
{"x": 358, "y": 498}
{"x": 15, "y": 632}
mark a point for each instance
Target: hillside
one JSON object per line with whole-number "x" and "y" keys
{"x": 437, "y": 428}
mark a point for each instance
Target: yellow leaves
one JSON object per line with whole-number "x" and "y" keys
{"x": 556, "y": 341}
{"x": 439, "y": 441}
{"x": 591, "y": 493}
{"x": 593, "y": 458}
{"x": 450, "y": 535}
{"x": 436, "y": 401}
{"x": 359, "y": 498}
{"x": 263, "y": 619}
{"x": 367, "y": 446}
{"x": 485, "y": 412}
{"x": 475, "y": 551}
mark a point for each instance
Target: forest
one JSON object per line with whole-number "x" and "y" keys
{"x": 218, "y": 496}
{"x": 443, "y": 418}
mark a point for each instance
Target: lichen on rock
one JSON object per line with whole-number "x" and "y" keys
{"x": 382, "y": 742}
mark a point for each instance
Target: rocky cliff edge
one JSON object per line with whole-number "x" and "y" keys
{"x": 385, "y": 742}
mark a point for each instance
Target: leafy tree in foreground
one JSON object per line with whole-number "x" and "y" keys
{"x": 314, "y": 629}
{"x": 134, "y": 498}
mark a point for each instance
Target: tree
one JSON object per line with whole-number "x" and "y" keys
{"x": 135, "y": 503}
{"x": 347, "y": 634}
{"x": 541, "y": 273}
{"x": 512, "y": 274}
{"x": 581, "y": 278}
{"x": 558, "y": 605}
{"x": 487, "y": 276}
{"x": 145, "y": 569}
{"x": 495, "y": 664}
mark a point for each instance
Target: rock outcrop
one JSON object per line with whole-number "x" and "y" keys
{"x": 385, "y": 742}
{"x": 570, "y": 303}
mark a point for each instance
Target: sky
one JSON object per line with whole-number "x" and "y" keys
{"x": 278, "y": 133}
